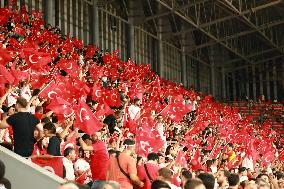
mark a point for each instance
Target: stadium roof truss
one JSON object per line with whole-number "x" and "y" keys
{"x": 250, "y": 30}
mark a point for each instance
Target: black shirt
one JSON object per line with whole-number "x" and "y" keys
{"x": 54, "y": 146}
{"x": 23, "y": 125}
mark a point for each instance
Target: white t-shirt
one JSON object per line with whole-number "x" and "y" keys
{"x": 70, "y": 174}
{"x": 26, "y": 93}
{"x": 248, "y": 163}
{"x": 133, "y": 111}
{"x": 12, "y": 99}
{"x": 81, "y": 165}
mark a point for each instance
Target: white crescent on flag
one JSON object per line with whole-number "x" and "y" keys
{"x": 82, "y": 109}
{"x": 70, "y": 66}
{"x": 50, "y": 93}
{"x": 113, "y": 97}
{"x": 97, "y": 93}
{"x": 144, "y": 144}
{"x": 31, "y": 60}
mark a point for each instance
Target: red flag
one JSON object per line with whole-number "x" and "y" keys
{"x": 6, "y": 75}
{"x": 86, "y": 121}
{"x": 148, "y": 140}
{"x": 5, "y": 56}
{"x": 174, "y": 111}
{"x": 52, "y": 164}
{"x": 234, "y": 162}
{"x": 103, "y": 109}
{"x": 97, "y": 93}
{"x": 18, "y": 29}
{"x": 60, "y": 107}
{"x": 18, "y": 74}
{"x": 37, "y": 59}
{"x": 112, "y": 98}
{"x": 180, "y": 159}
{"x": 69, "y": 66}
{"x": 195, "y": 161}
{"x": 268, "y": 158}
{"x": 49, "y": 91}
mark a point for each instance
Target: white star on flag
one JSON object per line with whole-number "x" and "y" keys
{"x": 87, "y": 117}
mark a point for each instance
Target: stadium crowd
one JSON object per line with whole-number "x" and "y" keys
{"x": 105, "y": 123}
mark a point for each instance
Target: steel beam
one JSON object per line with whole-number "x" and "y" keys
{"x": 188, "y": 20}
{"x": 243, "y": 33}
{"x": 256, "y": 63}
{"x": 178, "y": 8}
{"x": 249, "y": 23}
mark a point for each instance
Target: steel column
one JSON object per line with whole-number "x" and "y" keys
{"x": 274, "y": 81}
{"x": 267, "y": 82}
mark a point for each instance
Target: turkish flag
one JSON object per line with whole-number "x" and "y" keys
{"x": 18, "y": 74}
{"x": 97, "y": 93}
{"x": 6, "y": 75}
{"x": 69, "y": 66}
{"x": 112, "y": 98}
{"x": 49, "y": 91}
{"x": 60, "y": 107}
{"x": 50, "y": 163}
{"x": 37, "y": 59}
{"x": 268, "y": 158}
{"x": 85, "y": 119}
{"x": 148, "y": 140}
{"x": 174, "y": 111}
{"x": 18, "y": 29}
{"x": 103, "y": 109}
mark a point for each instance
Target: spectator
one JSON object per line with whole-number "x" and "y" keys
{"x": 122, "y": 167}
{"x": 99, "y": 158}
{"x": 53, "y": 147}
{"x": 148, "y": 171}
{"x": 2, "y": 169}
{"x": 222, "y": 179}
{"x": 185, "y": 175}
{"x": 159, "y": 184}
{"x": 134, "y": 109}
{"x": 69, "y": 157}
{"x": 23, "y": 125}
{"x": 281, "y": 181}
{"x": 264, "y": 177}
{"x": 5, "y": 184}
{"x": 194, "y": 184}
{"x": 82, "y": 169}
{"x": 234, "y": 181}
{"x": 262, "y": 184}
{"x": 207, "y": 179}
{"x": 243, "y": 174}
{"x": 166, "y": 175}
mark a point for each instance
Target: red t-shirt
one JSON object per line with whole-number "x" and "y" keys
{"x": 153, "y": 172}
{"x": 128, "y": 164}
{"x": 99, "y": 161}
